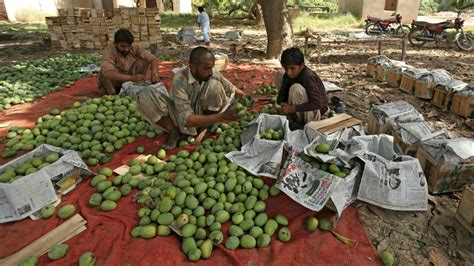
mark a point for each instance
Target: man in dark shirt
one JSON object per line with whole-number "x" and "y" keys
{"x": 302, "y": 91}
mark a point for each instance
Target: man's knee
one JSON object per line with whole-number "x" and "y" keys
{"x": 215, "y": 97}
{"x": 297, "y": 94}
{"x": 141, "y": 66}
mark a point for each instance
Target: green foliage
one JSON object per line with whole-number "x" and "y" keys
{"x": 428, "y": 7}
{"x": 342, "y": 21}
{"x": 176, "y": 20}
{"x": 11, "y": 27}
{"x": 462, "y": 4}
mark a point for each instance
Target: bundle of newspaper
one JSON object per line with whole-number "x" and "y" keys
{"x": 30, "y": 193}
{"x": 467, "y": 91}
{"x": 452, "y": 85}
{"x": 451, "y": 151}
{"x": 436, "y": 76}
{"x": 131, "y": 88}
{"x": 419, "y": 132}
{"x": 415, "y": 73}
{"x": 396, "y": 112}
{"x": 388, "y": 180}
{"x": 263, "y": 157}
{"x": 378, "y": 59}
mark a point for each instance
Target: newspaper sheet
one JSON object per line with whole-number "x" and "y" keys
{"x": 417, "y": 132}
{"x": 396, "y": 112}
{"x": 450, "y": 151}
{"x": 263, "y": 157}
{"x": 453, "y": 85}
{"x": 416, "y": 73}
{"x": 30, "y": 193}
{"x": 389, "y": 181}
{"x": 313, "y": 188}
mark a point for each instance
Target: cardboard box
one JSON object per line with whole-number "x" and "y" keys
{"x": 465, "y": 212}
{"x": 30, "y": 193}
{"x": 444, "y": 178}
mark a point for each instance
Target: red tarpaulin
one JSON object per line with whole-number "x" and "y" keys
{"x": 108, "y": 233}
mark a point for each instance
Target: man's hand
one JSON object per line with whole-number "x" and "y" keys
{"x": 287, "y": 109}
{"x": 155, "y": 78}
{"x": 230, "y": 114}
{"x": 138, "y": 78}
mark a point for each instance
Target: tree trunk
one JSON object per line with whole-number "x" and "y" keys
{"x": 257, "y": 11}
{"x": 278, "y": 26}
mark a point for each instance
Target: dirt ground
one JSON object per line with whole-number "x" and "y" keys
{"x": 416, "y": 238}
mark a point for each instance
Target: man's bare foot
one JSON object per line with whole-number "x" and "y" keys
{"x": 172, "y": 141}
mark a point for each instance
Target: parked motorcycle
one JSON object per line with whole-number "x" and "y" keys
{"x": 392, "y": 25}
{"x": 423, "y": 32}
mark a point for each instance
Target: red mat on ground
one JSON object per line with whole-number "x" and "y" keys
{"x": 108, "y": 234}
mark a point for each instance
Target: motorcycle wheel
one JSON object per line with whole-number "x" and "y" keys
{"x": 402, "y": 30}
{"x": 464, "y": 42}
{"x": 373, "y": 29}
{"x": 415, "y": 33}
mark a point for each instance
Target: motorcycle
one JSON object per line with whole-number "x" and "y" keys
{"x": 392, "y": 25}
{"x": 423, "y": 32}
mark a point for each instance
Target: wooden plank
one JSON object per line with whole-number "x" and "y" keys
{"x": 466, "y": 207}
{"x": 330, "y": 121}
{"x": 344, "y": 124}
{"x": 464, "y": 223}
{"x": 58, "y": 235}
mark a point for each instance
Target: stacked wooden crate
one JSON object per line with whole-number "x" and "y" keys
{"x": 94, "y": 28}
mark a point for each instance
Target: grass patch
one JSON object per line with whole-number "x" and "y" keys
{"x": 11, "y": 27}
{"x": 176, "y": 20}
{"x": 337, "y": 22}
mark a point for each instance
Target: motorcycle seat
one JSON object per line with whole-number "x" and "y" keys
{"x": 381, "y": 19}
{"x": 424, "y": 23}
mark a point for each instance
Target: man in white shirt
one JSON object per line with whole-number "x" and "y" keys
{"x": 203, "y": 21}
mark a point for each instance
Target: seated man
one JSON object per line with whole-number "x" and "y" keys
{"x": 302, "y": 92}
{"x": 123, "y": 60}
{"x": 197, "y": 95}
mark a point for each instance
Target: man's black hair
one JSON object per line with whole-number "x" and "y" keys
{"x": 200, "y": 9}
{"x": 199, "y": 53}
{"x": 292, "y": 56}
{"x": 123, "y": 35}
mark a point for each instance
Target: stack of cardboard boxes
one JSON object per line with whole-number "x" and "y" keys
{"x": 94, "y": 28}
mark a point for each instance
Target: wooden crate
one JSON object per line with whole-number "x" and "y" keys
{"x": 407, "y": 84}
{"x": 371, "y": 70}
{"x": 442, "y": 98}
{"x": 463, "y": 105}
{"x": 380, "y": 73}
{"x": 465, "y": 212}
{"x": 424, "y": 89}
{"x": 444, "y": 178}
{"x": 393, "y": 77}
{"x": 52, "y": 21}
{"x": 374, "y": 127}
{"x": 408, "y": 149}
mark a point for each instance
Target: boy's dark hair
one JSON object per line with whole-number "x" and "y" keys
{"x": 198, "y": 53}
{"x": 200, "y": 9}
{"x": 292, "y": 56}
{"x": 123, "y": 35}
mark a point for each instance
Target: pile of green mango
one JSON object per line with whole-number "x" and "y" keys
{"x": 10, "y": 174}
{"x": 329, "y": 167}
{"x": 272, "y": 134}
{"x": 95, "y": 128}
{"x": 194, "y": 193}
{"x": 25, "y": 81}
{"x": 266, "y": 89}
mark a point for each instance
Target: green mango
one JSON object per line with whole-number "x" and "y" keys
{"x": 222, "y": 216}
{"x": 235, "y": 230}
{"x": 248, "y": 241}
{"x": 206, "y": 249}
{"x": 108, "y": 205}
{"x": 263, "y": 240}
{"x": 47, "y": 211}
{"x": 247, "y": 224}
{"x": 261, "y": 219}
{"x": 66, "y": 211}
{"x": 216, "y": 237}
{"x": 256, "y": 231}
{"x": 148, "y": 231}
{"x": 165, "y": 218}
{"x": 95, "y": 199}
{"x": 274, "y": 191}
{"x": 194, "y": 255}
{"x": 311, "y": 224}
{"x": 163, "y": 230}
{"x": 284, "y": 234}
{"x": 58, "y": 251}
{"x": 281, "y": 220}
{"x": 188, "y": 230}
{"x": 188, "y": 244}
{"x": 30, "y": 261}
{"x": 87, "y": 259}
{"x": 270, "y": 227}
{"x": 106, "y": 171}
{"x": 232, "y": 242}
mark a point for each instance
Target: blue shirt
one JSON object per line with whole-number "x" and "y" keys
{"x": 203, "y": 19}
